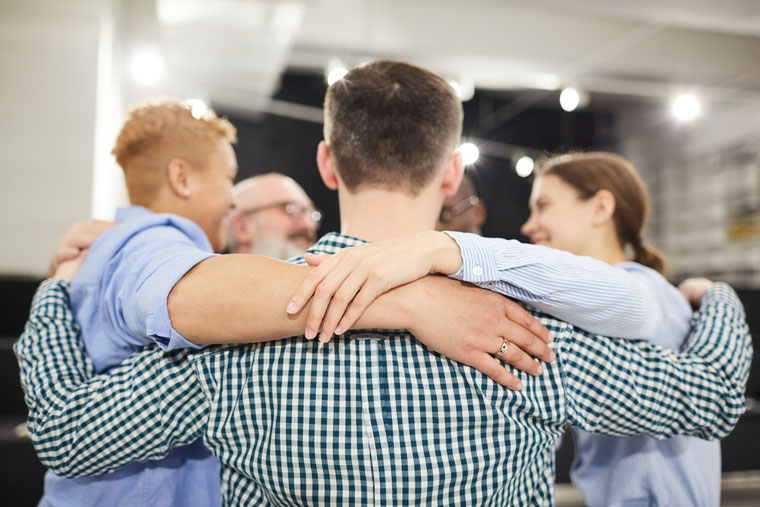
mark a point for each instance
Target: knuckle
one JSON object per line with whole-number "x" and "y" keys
{"x": 341, "y": 299}
{"x": 323, "y": 291}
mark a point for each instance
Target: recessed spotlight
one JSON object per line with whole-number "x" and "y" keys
{"x": 524, "y": 166}
{"x": 197, "y": 107}
{"x": 569, "y": 99}
{"x": 335, "y": 73}
{"x": 685, "y": 107}
{"x": 147, "y": 67}
{"x": 470, "y": 153}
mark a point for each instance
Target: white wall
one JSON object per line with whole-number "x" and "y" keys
{"x": 703, "y": 178}
{"x": 48, "y": 56}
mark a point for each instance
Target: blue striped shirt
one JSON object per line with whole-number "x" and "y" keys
{"x": 586, "y": 292}
{"x": 371, "y": 418}
{"x": 609, "y": 471}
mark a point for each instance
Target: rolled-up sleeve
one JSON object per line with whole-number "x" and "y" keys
{"x": 146, "y": 272}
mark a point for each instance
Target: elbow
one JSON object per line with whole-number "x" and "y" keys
{"x": 54, "y": 457}
{"x": 54, "y": 448}
{"x": 719, "y": 427}
{"x": 731, "y": 415}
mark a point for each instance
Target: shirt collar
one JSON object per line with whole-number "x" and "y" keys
{"x": 128, "y": 212}
{"x": 330, "y": 243}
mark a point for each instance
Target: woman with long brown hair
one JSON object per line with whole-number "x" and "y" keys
{"x": 595, "y": 204}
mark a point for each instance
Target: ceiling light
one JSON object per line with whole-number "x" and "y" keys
{"x": 147, "y": 67}
{"x": 470, "y": 153}
{"x": 524, "y": 166}
{"x": 685, "y": 107}
{"x": 464, "y": 88}
{"x": 569, "y": 99}
{"x": 197, "y": 107}
{"x": 336, "y": 73}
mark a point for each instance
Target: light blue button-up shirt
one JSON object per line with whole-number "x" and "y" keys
{"x": 627, "y": 301}
{"x": 119, "y": 299}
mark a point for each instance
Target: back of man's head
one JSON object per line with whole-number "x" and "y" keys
{"x": 391, "y": 125}
{"x": 156, "y": 132}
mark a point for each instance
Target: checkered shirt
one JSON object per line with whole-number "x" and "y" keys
{"x": 371, "y": 418}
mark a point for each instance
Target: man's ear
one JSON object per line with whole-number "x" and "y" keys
{"x": 603, "y": 207}
{"x": 326, "y": 166}
{"x": 453, "y": 173}
{"x": 178, "y": 177}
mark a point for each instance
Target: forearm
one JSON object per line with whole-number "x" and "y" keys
{"x": 243, "y": 298}
{"x": 237, "y": 299}
{"x": 88, "y": 427}
{"x": 585, "y": 292}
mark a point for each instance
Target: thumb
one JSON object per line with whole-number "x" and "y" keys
{"x": 314, "y": 259}
{"x": 68, "y": 253}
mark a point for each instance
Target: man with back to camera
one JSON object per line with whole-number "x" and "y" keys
{"x": 274, "y": 217}
{"x": 178, "y": 170}
{"x": 368, "y": 419}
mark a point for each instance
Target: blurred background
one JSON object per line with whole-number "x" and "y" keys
{"x": 672, "y": 85}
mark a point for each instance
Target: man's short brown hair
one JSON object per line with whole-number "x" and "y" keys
{"x": 391, "y": 124}
{"x": 156, "y": 132}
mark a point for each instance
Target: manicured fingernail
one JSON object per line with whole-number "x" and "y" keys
{"x": 539, "y": 370}
{"x": 324, "y": 337}
{"x": 519, "y": 386}
{"x": 310, "y": 333}
{"x": 552, "y": 356}
{"x": 339, "y": 329}
{"x": 291, "y": 307}
{"x": 551, "y": 336}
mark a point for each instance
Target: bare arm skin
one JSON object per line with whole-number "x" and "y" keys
{"x": 242, "y": 298}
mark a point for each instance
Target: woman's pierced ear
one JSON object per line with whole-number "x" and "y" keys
{"x": 186, "y": 192}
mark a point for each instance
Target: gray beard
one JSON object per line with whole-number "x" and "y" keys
{"x": 272, "y": 246}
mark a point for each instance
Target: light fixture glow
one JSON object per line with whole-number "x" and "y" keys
{"x": 569, "y": 99}
{"x": 524, "y": 166}
{"x": 147, "y": 67}
{"x": 457, "y": 88}
{"x": 685, "y": 107}
{"x": 470, "y": 153}
{"x": 464, "y": 88}
{"x": 336, "y": 74}
{"x": 197, "y": 107}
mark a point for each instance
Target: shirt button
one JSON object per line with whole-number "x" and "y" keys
{"x": 477, "y": 271}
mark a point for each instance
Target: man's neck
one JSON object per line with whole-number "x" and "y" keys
{"x": 376, "y": 215}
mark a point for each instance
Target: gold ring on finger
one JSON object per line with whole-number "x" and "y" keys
{"x": 503, "y": 350}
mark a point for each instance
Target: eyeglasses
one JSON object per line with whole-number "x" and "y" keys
{"x": 448, "y": 213}
{"x": 290, "y": 208}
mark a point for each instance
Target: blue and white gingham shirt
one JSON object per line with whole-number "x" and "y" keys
{"x": 369, "y": 418}
{"x": 625, "y": 300}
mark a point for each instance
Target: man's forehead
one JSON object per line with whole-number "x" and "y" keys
{"x": 275, "y": 189}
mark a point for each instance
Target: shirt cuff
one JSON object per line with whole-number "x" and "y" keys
{"x": 478, "y": 263}
{"x": 51, "y": 287}
{"x": 56, "y": 283}
{"x": 158, "y": 326}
